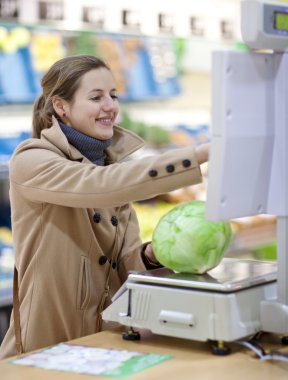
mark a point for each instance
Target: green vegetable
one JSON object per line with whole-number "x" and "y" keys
{"x": 185, "y": 241}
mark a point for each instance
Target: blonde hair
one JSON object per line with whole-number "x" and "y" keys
{"x": 62, "y": 79}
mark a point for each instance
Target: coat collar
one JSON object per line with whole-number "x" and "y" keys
{"x": 123, "y": 144}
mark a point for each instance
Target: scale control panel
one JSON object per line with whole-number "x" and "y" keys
{"x": 264, "y": 24}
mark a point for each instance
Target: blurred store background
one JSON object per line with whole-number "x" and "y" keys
{"x": 161, "y": 56}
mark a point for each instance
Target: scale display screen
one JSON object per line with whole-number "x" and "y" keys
{"x": 264, "y": 24}
{"x": 281, "y": 21}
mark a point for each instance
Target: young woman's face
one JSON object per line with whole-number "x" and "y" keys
{"x": 95, "y": 105}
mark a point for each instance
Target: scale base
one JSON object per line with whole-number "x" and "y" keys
{"x": 222, "y": 305}
{"x": 191, "y": 314}
{"x": 212, "y": 309}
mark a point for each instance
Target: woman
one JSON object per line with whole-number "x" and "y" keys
{"x": 75, "y": 234}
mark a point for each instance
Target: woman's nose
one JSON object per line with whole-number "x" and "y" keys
{"x": 109, "y": 103}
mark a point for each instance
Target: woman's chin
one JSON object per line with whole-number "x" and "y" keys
{"x": 103, "y": 136}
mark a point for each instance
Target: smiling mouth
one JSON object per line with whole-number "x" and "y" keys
{"x": 105, "y": 121}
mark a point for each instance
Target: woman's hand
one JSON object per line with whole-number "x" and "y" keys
{"x": 202, "y": 153}
{"x": 150, "y": 254}
{"x": 149, "y": 258}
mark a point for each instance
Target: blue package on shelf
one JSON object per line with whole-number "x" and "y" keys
{"x": 198, "y": 134}
{"x": 194, "y": 130}
{"x": 6, "y": 273}
{"x": 139, "y": 76}
{"x": 7, "y": 147}
{"x": 144, "y": 79}
{"x": 17, "y": 78}
{"x": 161, "y": 57}
{"x": 170, "y": 87}
{"x": 2, "y": 96}
{"x": 9, "y": 143}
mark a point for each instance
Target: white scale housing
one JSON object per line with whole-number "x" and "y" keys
{"x": 248, "y": 175}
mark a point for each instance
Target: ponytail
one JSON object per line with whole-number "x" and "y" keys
{"x": 42, "y": 116}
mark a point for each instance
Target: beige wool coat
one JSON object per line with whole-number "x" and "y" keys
{"x": 75, "y": 234}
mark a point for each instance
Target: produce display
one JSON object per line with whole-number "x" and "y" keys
{"x": 154, "y": 135}
{"x": 266, "y": 252}
{"x": 185, "y": 241}
{"x": 149, "y": 214}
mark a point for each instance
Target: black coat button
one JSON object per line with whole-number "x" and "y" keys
{"x": 97, "y": 217}
{"x": 114, "y": 265}
{"x": 170, "y": 168}
{"x": 114, "y": 220}
{"x": 153, "y": 173}
{"x": 102, "y": 260}
{"x": 186, "y": 163}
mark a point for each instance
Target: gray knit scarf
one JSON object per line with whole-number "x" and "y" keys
{"x": 93, "y": 149}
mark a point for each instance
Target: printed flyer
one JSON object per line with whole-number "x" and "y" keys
{"x": 91, "y": 360}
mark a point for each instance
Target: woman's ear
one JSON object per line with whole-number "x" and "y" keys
{"x": 59, "y": 106}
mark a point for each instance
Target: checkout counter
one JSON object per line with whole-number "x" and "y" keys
{"x": 190, "y": 360}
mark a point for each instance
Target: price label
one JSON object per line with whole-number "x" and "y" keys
{"x": 227, "y": 29}
{"x": 93, "y": 15}
{"x": 9, "y": 9}
{"x": 166, "y": 22}
{"x": 197, "y": 26}
{"x": 50, "y": 10}
{"x": 131, "y": 19}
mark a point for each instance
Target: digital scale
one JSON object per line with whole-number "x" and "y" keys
{"x": 248, "y": 175}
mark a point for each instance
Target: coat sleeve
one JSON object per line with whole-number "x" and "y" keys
{"x": 42, "y": 175}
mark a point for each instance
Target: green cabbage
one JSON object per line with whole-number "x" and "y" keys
{"x": 185, "y": 241}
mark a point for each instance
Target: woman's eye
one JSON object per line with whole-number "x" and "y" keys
{"x": 99, "y": 98}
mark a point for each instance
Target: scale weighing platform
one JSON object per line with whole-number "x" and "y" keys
{"x": 221, "y": 305}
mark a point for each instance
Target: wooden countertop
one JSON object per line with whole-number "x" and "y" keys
{"x": 191, "y": 360}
